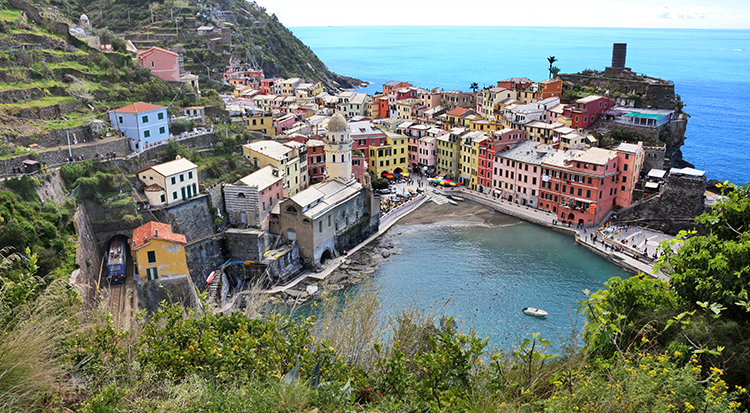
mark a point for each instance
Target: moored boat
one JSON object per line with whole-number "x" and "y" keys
{"x": 456, "y": 198}
{"x": 536, "y": 312}
{"x": 452, "y": 202}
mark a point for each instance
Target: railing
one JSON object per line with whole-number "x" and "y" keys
{"x": 184, "y": 135}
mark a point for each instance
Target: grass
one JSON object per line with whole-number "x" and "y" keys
{"x": 39, "y": 103}
{"x": 9, "y": 15}
{"x": 27, "y": 85}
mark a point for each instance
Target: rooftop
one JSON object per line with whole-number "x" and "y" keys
{"x": 173, "y": 167}
{"x": 139, "y": 107}
{"x": 527, "y": 151}
{"x": 155, "y": 230}
{"x": 319, "y": 197}
{"x": 262, "y": 178}
{"x": 272, "y": 149}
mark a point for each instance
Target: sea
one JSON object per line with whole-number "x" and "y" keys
{"x": 710, "y": 69}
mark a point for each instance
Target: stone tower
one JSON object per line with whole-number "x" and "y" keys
{"x": 338, "y": 147}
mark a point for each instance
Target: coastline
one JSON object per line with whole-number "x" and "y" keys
{"x": 361, "y": 262}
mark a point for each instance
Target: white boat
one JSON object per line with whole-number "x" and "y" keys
{"x": 534, "y": 311}
{"x": 456, "y": 198}
{"x": 452, "y": 202}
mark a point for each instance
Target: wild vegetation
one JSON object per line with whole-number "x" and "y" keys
{"x": 647, "y": 346}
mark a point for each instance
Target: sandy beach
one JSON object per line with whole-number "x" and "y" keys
{"x": 465, "y": 212}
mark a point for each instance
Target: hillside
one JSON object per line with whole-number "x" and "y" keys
{"x": 256, "y": 37}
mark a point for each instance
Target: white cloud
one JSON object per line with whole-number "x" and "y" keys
{"x": 688, "y": 13}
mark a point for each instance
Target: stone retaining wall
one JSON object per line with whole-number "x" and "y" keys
{"x": 205, "y": 255}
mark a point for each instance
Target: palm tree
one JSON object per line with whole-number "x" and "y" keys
{"x": 551, "y": 60}
{"x": 474, "y": 86}
{"x": 555, "y": 71}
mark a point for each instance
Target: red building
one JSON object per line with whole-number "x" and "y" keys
{"x": 580, "y": 186}
{"x": 267, "y": 86}
{"x": 500, "y": 141}
{"x": 316, "y": 159}
{"x": 550, "y": 88}
{"x": 364, "y": 134}
{"x": 586, "y": 111}
{"x": 515, "y": 83}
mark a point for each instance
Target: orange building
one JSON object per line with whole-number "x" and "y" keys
{"x": 550, "y": 88}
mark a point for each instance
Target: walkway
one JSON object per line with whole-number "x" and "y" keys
{"x": 629, "y": 258}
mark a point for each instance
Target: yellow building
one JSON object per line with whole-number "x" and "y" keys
{"x": 449, "y": 151}
{"x": 158, "y": 252}
{"x": 469, "y": 160}
{"x": 407, "y": 108}
{"x": 261, "y": 122}
{"x": 283, "y": 157}
{"x": 393, "y": 157}
{"x": 484, "y": 125}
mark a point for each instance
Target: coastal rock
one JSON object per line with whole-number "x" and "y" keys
{"x": 385, "y": 253}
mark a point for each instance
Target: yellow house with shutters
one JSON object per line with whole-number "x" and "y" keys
{"x": 158, "y": 252}
{"x": 470, "y": 144}
{"x": 393, "y": 157}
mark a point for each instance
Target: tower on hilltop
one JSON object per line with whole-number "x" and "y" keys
{"x": 338, "y": 147}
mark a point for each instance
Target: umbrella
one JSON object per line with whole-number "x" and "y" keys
{"x": 405, "y": 174}
{"x": 453, "y": 184}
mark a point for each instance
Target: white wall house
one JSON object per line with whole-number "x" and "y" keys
{"x": 143, "y": 123}
{"x": 170, "y": 182}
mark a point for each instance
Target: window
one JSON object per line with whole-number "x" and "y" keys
{"x": 183, "y": 193}
{"x": 182, "y": 177}
{"x": 624, "y": 179}
{"x": 144, "y": 118}
{"x": 121, "y": 121}
{"x": 151, "y": 273}
{"x": 160, "y": 115}
{"x": 174, "y": 195}
{"x": 589, "y": 181}
{"x": 190, "y": 175}
{"x": 151, "y": 257}
{"x": 162, "y": 130}
{"x": 588, "y": 193}
{"x": 579, "y": 191}
{"x": 152, "y": 63}
{"x": 147, "y": 133}
{"x": 320, "y": 226}
{"x": 174, "y": 180}
{"x": 625, "y": 167}
{"x": 163, "y": 198}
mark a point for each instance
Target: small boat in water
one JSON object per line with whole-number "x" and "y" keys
{"x": 452, "y": 202}
{"x": 456, "y": 198}
{"x": 534, "y": 311}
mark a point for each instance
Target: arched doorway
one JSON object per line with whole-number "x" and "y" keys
{"x": 327, "y": 255}
{"x": 571, "y": 216}
{"x": 397, "y": 171}
{"x": 580, "y": 222}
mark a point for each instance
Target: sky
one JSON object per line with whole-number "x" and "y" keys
{"x": 680, "y": 14}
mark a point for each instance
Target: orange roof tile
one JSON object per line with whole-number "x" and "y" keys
{"x": 458, "y": 111}
{"x": 149, "y": 230}
{"x": 155, "y": 49}
{"x": 153, "y": 187}
{"x": 139, "y": 107}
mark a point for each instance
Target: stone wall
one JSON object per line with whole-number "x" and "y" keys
{"x": 205, "y": 255}
{"x": 217, "y": 197}
{"x": 655, "y": 95}
{"x": 56, "y": 158}
{"x": 192, "y": 218}
{"x": 157, "y": 152}
{"x": 248, "y": 244}
{"x": 673, "y": 210}
{"x": 354, "y": 235}
{"x": 672, "y": 135}
{"x": 87, "y": 248}
{"x": 653, "y": 158}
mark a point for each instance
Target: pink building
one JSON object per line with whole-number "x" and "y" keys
{"x": 517, "y": 172}
{"x": 249, "y": 201}
{"x": 580, "y": 187}
{"x": 587, "y": 111}
{"x": 430, "y": 99}
{"x": 631, "y": 164}
{"x": 162, "y": 63}
{"x": 364, "y": 134}
{"x": 359, "y": 165}
{"x": 285, "y": 122}
{"x": 427, "y": 154}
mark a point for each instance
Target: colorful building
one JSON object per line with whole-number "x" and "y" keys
{"x": 260, "y": 121}
{"x": 631, "y": 164}
{"x": 469, "y": 170}
{"x": 549, "y": 88}
{"x": 158, "y": 252}
{"x": 580, "y": 186}
{"x": 281, "y": 156}
{"x": 170, "y": 182}
{"x": 316, "y": 160}
{"x": 587, "y": 111}
{"x": 249, "y": 201}
{"x": 145, "y": 125}
{"x": 162, "y": 63}
{"x": 389, "y": 158}
{"x": 448, "y": 152}
{"x": 517, "y": 172}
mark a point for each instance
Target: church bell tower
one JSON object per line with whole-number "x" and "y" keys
{"x": 338, "y": 147}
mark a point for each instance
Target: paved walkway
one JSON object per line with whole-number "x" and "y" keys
{"x": 628, "y": 258}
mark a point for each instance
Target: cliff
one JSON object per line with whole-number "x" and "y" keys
{"x": 244, "y": 31}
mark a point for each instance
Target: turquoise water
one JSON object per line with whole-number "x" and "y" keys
{"x": 490, "y": 274}
{"x": 709, "y": 68}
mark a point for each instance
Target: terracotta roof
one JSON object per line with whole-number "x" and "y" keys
{"x": 139, "y": 107}
{"x": 149, "y": 230}
{"x": 458, "y": 111}
{"x": 155, "y": 49}
{"x": 153, "y": 187}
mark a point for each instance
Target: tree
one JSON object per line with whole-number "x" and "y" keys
{"x": 474, "y": 86}
{"x": 715, "y": 268}
{"x": 551, "y": 60}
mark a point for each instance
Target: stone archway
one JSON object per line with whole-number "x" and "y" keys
{"x": 571, "y": 217}
{"x": 325, "y": 256}
{"x": 398, "y": 171}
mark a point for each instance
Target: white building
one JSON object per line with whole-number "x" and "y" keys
{"x": 142, "y": 123}
{"x": 170, "y": 182}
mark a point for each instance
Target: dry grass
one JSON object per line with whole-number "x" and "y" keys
{"x": 29, "y": 364}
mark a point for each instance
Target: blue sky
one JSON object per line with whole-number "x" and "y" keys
{"x": 687, "y": 14}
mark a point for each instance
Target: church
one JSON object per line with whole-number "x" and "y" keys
{"x": 332, "y": 216}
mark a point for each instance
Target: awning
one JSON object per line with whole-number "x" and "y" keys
{"x": 652, "y": 185}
